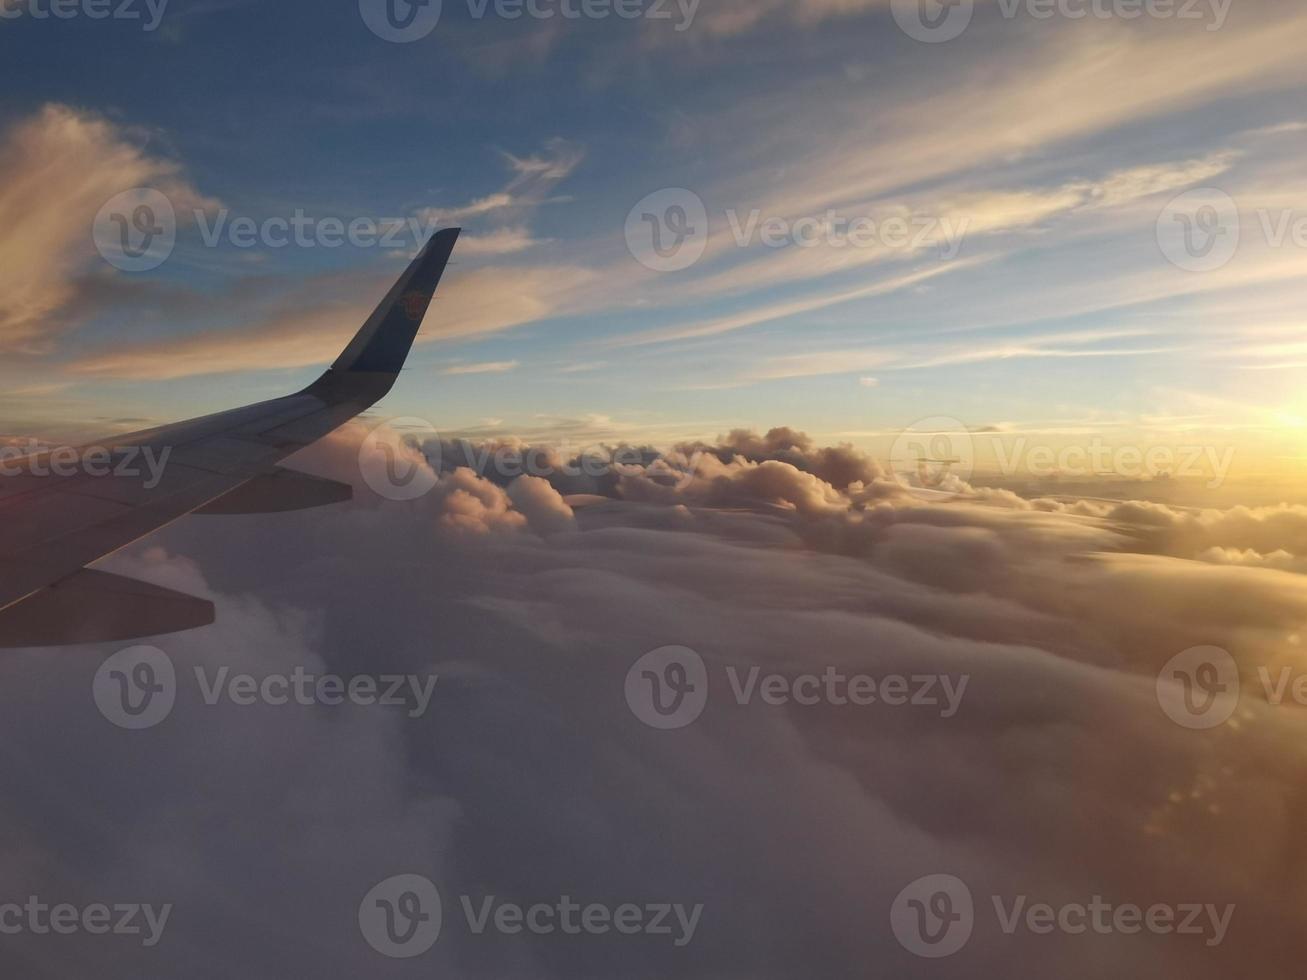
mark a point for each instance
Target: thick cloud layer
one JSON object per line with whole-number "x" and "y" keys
{"x": 1058, "y": 777}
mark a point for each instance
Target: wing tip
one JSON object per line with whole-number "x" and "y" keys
{"x": 382, "y": 344}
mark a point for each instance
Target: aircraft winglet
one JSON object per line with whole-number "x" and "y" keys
{"x": 383, "y": 343}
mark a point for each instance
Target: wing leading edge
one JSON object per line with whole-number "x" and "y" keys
{"x": 55, "y": 525}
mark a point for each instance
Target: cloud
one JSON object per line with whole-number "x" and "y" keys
{"x": 502, "y": 241}
{"x": 530, "y": 778}
{"x": 310, "y": 318}
{"x": 311, "y": 324}
{"x": 531, "y": 185}
{"x": 1278, "y": 559}
{"x": 483, "y": 205}
{"x": 770, "y": 312}
{"x": 49, "y": 197}
{"x": 489, "y": 367}
{"x": 545, "y": 510}
{"x": 729, "y": 18}
{"x": 941, "y": 223}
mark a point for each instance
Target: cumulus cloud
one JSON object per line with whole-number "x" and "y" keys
{"x": 467, "y": 503}
{"x": 1059, "y": 778}
{"x": 1184, "y": 532}
{"x": 544, "y": 509}
{"x": 1279, "y": 558}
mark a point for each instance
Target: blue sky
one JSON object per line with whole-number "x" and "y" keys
{"x": 1036, "y": 157}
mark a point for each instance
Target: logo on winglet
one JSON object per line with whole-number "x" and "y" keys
{"x": 414, "y": 304}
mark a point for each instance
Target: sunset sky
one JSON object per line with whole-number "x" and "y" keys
{"x": 1051, "y": 147}
{"x": 954, "y": 343}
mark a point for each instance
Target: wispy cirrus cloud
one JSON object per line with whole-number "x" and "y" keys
{"x": 501, "y": 241}
{"x": 532, "y": 183}
{"x": 769, "y": 312}
{"x": 485, "y": 367}
{"x": 320, "y": 315}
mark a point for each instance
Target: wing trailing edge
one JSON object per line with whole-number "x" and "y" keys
{"x": 99, "y": 607}
{"x": 280, "y": 491}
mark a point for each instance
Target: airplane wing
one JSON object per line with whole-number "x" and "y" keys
{"x": 54, "y": 525}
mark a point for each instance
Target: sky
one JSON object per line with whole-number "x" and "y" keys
{"x": 1040, "y": 169}
{"x": 949, "y": 353}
